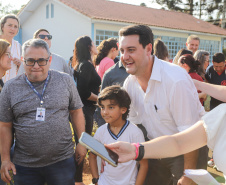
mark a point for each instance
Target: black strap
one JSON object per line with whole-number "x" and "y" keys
{"x": 141, "y": 152}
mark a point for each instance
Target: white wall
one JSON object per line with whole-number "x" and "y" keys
{"x": 66, "y": 26}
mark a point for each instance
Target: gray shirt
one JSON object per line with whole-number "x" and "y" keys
{"x": 114, "y": 75}
{"x": 58, "y": 64}
{"x": 40, "y": 143}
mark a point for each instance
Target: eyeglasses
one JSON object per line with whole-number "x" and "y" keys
{"x": 9, "y": 55}
{"x": 49, "y": 37}
{"x": 40, "y": 61}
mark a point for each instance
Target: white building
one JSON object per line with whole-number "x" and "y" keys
{"x": 67, "y": 20}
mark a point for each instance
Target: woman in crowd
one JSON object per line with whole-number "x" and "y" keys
{"x": 107, "y": 52}
{"x": 191, "y": 65}
{"x": 160, "y": 50}
{"x": 180, "y": 53}
{"x": 5, "y": 59}
{"x": 203, "y": 57}
{"x": 5, "y": 64}
{"x": 210, "y": 130}
{"x": 9, "y": 25}
{"x": 88, "y": 83}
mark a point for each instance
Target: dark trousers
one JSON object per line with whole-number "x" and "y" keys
{"x": 60, "y": 173}
{"x": 88, "y": 113}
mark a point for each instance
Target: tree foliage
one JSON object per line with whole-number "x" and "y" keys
{"x": 199, "y": 8}
{"x": 8, "y": 9}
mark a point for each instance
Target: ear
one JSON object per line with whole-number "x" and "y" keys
{"x": 123, "y": 110}
{"x": 149, "y": 49}
{"x": 186, "y": 44}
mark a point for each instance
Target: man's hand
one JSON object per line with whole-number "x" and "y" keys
{"x": 80, "y": 153}
{"x": 185, "y": 181}
{"x": 5, "y": 168}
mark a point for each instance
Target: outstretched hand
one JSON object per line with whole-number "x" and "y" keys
{"x": 125, "y": 151}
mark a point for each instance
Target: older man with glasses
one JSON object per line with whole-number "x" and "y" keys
{"x": 58, "y": 63}
{"x": 37, "y": 105}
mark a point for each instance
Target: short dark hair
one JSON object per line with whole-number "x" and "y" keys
{"x": 218, "y": 57}
{"x": 35, "y": 36}
{"x": 144, "y": 32}
{"x": 117, "y": 94}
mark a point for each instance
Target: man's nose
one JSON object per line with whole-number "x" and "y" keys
{"x": 36, "y": 65}
{"x": 125, "y": 56}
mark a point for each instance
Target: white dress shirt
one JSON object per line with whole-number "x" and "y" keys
{"x": 170, "y": 103}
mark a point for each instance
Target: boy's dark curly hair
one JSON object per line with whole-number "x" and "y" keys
{"x": 117, "y": 94}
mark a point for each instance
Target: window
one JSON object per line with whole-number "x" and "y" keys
{"x": 174, "y": 44}
{"x": 105, "y": 34}
{"x": 52, "y": 10}
{"x": 47, "y": 11}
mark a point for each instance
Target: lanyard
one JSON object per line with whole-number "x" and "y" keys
{"x": 36, "y": 92}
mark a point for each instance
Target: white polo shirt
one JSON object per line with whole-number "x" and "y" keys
{"x": 170, "y": 103}
{"x": 124, "y": 173}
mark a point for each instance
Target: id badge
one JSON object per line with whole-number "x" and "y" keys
{"x": 40, "y": 114}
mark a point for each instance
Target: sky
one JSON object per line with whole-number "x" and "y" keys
{"x": 17, "y": 3}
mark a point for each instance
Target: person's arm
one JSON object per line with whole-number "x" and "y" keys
{"x": 5, "y": 144}
{"x": 93, "y": 97}
{"x": 78, "y": 124}
{"x": 142, "y": 172}
{"x": 93, "y": 165}
{"x": 216, "y": 91}
{"x": 165, "y": 146}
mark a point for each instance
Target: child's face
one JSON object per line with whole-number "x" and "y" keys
{"x": 111, "y": 112}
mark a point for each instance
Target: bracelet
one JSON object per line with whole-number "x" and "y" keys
{"x": 137, "y": 150}
{"x": 141, "y": 152}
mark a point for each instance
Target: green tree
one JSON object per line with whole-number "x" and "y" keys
{"x": 8, "y": 9}
{"x": 198, "y": 8}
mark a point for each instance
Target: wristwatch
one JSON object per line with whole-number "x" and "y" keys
{"x": 141, "y": 152}
{"x": 95, "y": 180}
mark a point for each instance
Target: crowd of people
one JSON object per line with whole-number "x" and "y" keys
{"x": 151, "y": 111}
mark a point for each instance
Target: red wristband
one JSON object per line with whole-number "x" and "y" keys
{"x": 137, "y": 149}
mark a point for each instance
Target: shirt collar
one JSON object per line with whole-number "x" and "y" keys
{"x": 156, "y": 70}
{"x": 120, "y": 132}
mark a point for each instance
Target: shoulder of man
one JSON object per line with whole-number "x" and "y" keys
{"x": 57, "y": 57}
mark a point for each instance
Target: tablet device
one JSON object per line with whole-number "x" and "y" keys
{"x": 99, "y": 149}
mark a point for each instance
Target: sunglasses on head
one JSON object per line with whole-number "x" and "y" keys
{"x": 49, "y": 37}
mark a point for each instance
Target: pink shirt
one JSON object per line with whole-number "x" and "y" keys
{"x": 104, "y": 65}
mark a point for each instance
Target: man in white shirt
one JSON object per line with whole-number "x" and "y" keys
{"x": 164, "y": 100}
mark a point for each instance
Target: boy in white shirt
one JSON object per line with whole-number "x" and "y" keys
{"x": 114, "y": 103}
